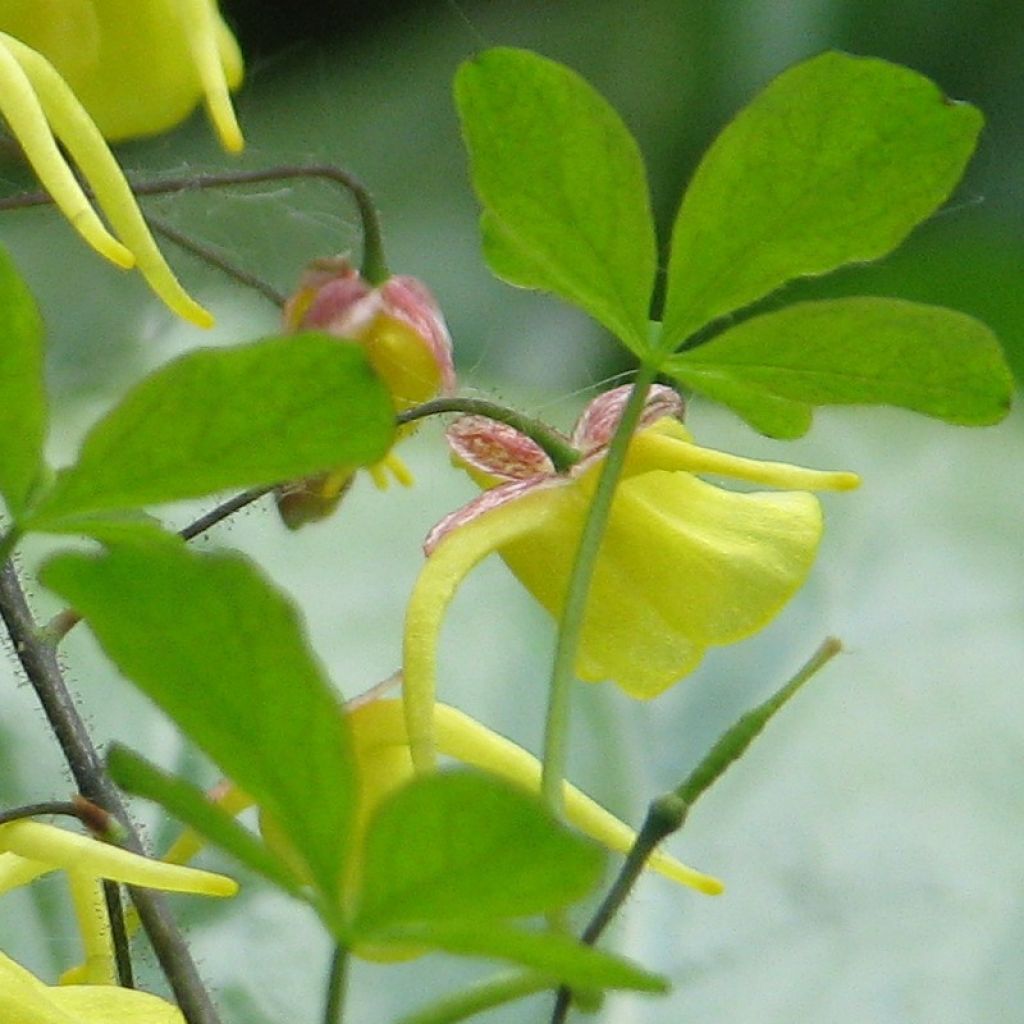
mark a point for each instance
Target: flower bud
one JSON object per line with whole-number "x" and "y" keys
{"x": 406, "y": 340}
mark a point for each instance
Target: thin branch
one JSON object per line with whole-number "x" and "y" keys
{"x": 210, "y": 255}
{"x": 562, "y": 454}
{"x": 64, "y": 621}
{"x": 374, "y": 268}
{"x": 39, "y": 661}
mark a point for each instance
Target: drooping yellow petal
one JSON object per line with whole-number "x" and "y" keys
{"x": 94, "y": 927}
{"x": 24, "y": 114}
{"x": 69, "y": 850}
{"x": 214, "y": 52}
{"x": 382, "y": 751}
{"x": 661, "y": 447}
{"x": 138, "y": 66}
{"x": 17, "y": 871}
{"x": 435, "y": 587}
{"x": 73, "y": 126}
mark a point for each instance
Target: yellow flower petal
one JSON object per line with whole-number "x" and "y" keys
{"x": 71, "y": 851}
{"x": 17, "y": 871}
{"x": 138, "y": 66}
{"x": 212, "y": 48}
{"x": 75, "y": 129}
{"x": 662, "y": 447}
{"x": 24, "y": 999}
{"x": 440, "y": 577}
{"x": 382, "y": 750}
{"x": 24, "y": 113}
{"x": 684, "y": 566}
{"x": 94, "y": 927}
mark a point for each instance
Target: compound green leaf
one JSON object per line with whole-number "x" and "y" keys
{"x": 773, "y": 369}
{"x": 210, "y": 641}
{"x": 563, "y": 187}
{"x": 834, "y": 162}
{"x": 23, "y": 411}
{"x": 221, "y": 418}
{"x": 465, "y": 846}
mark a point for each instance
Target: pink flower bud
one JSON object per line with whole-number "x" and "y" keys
{"x": 398, "y": 324}
{"x": 406, "y": 340}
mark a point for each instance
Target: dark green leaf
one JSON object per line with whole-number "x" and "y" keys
{"x": 481, "y": 849}
{"x": 190, "y": 805}
{"x": 563, "y": 187}
{"x": 23, "y": 411}
{"x": 866, "y": 351}
{"x": 563, "y": 958}
{"x": 834, "y": 162}
{"x": 223, "y": 653}
{"x": 232, "y": 417}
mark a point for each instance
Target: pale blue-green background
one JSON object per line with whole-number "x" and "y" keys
{"x": 872, "y": 840}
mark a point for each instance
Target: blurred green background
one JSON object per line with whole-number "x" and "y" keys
{"x": 872, "y": 841}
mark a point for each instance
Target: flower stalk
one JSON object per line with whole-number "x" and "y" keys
{"x": 570, "y": 627}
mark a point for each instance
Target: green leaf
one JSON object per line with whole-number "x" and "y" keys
{"x": 223, "y": 653}
{"x": 563, "y": 187}
{"x": 563, "y": 958}
{"x": 215, "y": 419}
{"x": 23, "y": 412}
{"x": 773, "y": 368}
{"x": 482, "y": 849}
{"x": 189, "y": 804}
{"x": 834, "y": 162}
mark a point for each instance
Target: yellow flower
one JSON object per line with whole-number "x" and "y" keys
{"x": 400, "y": 327}
{"x": 74, "y": 71}
{"x": 29, "y": 849}
{"x": 684, "y": 565}
{"x": 24, "y": 999}
{"x": 139, "y": 67}
{"x": 384, "y": 763}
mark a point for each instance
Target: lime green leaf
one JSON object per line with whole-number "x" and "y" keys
{"x": 23, "y": 413}
{"x": 482, "y": 849}
{"x": 189, "y": 804}
{"x": 563, "y": 187}
{"x": 223, "y": 653}
{"x": 834, "y": 162}
{"x": 866, "y": 351}
{"x": 567, "y": 961}
{"x": 232, "y": 417}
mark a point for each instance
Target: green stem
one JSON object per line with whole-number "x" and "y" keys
{"x": 562, "y": 454}
{"x": 485, "y": 995}
{"x": 571, "y": 624}
{"x": 668, "y": 813}
{"x": 337, "y": 985}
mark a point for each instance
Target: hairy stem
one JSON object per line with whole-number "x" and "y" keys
{"x": 558, "y": 449}
{"x": 39, "y": 661}
{"x": 64, "y": 621}
{"x": 211, "y": 256}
